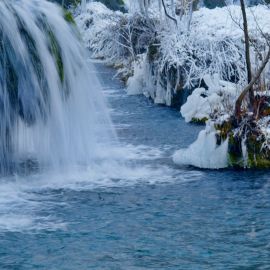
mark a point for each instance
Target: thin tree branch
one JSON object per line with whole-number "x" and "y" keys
{"x": 167, "y": 14}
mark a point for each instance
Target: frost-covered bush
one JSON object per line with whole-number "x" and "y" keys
{"x": 166, "y": 59}
{"x": 93, "y": 25}
{"x": 230, "y": 140}
{"x": 116, "y": 37}
{"x": 182, "y": 61}
{"x": 214, "y": 45}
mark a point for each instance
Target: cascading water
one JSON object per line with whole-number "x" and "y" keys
{"x": 83, "y": 5}
{"x": 51, "y": 108}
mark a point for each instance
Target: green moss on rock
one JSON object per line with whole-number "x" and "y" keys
{"x": 258, "y": 157}
{"x": 235, "y": 152}
{"x": 245, "y": 150}
{"x": 199, "y": 121}
{"x": 56, "y": 52}
{"x": 68, "y": 17}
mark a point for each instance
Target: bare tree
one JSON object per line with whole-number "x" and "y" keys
{"x": 167, "y": 14}
{"x": 251, "y": 79}
{"x": 247, "y": 50}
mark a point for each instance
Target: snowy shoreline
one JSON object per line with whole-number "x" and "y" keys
{"x": 167, "y": 64}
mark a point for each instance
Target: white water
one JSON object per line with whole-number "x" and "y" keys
{"x": 83, "y": 5}
{"x": 63, "y": 128}
{"x": 57, "y": 122}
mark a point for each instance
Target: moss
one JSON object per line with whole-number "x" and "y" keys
{"x": 258, "y": 161}
{"x": 68, "y": 17}
{"x": 224, "y": 129}
{"x": 257, "y": 157}
{"x": 235, "y": 154}
{"x": 199, "y": 121}
{"x": 153, "y": 50}
{"x": 56, "y": 52}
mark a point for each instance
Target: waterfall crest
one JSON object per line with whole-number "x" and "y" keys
{"x": 51, "y": 108}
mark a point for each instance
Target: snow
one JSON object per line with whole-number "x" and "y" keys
{"x": 220, "y": 23}
{"x": 136, "y": 84}
{"x": 211, "y": 52}
{"x": 96, "y": 28}
{"x": 264, "y": 125}
{"x": 204, "y": 152}
{"x": 218, "y": 98}
{"x": 197, "y": 107}
{"x": 214, "y": 45}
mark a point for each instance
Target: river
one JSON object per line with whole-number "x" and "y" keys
{"x": 145, "y": 213}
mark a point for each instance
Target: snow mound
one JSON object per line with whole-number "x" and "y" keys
{"x": 218, "y": 23}
{"x": 218, "y": 98}
{"x": 204, "y": 152}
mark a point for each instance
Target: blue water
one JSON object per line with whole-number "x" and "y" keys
{"x": 144, "y": 214}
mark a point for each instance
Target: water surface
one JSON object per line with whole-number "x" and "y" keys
{"x": 144, "y": 213}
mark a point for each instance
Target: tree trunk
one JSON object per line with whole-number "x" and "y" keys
{"x": 190, "y": 16}
{"x": 240, "y": 99}
{"x": 247, "y": 51}
{"x": 167, "y": 14}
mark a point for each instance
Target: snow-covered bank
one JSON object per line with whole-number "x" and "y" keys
{"x": 160, "y": 61}
{"x": 229, "y": 142}
{"x": 116, "y": 37}
{"x": 206, "y": 60}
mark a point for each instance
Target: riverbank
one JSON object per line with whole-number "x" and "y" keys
{"x": 200, "y": 69}
{"x": 166, "y": 63}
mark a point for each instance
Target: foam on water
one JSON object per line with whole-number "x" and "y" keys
{"x": 26, "y": 200}
{"x": 60, "y": 135}
{"x": 55, "y": 129}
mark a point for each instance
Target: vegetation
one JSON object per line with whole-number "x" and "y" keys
{"x": 161, "y": 52}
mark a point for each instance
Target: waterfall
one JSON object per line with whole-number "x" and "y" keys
{"x": 51, "y": 107}
{"x": 83, "y": 5}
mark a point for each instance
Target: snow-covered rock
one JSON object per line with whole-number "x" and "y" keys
{"x": 204, "y": 152}
{"x": 231, "y": 142}
{"x": 203, "y": 103}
